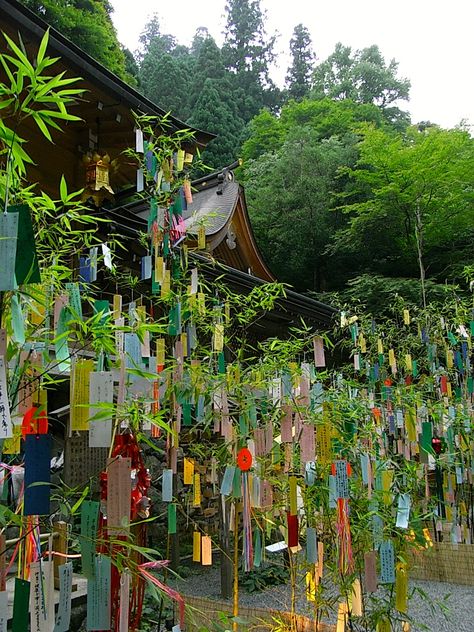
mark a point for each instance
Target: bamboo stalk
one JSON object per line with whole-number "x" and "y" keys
{"x": 235, "y": 611}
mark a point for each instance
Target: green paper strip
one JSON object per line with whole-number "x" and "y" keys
{"x": 187, "y": 414}
{"x": 221, "y": 363}
{"x": 104, "y": 307}
{"x": 426, "y": 437}
{"x": 237, "y": 485}
{"x": 75, "y": 299}
{"x": 21, "y": 606}
{"x": 26, "y": 263}
{"x": 171, "y": 519}
{"x": 8, "y": 249}
{"x": 88, "y": 537}
{"x": 60, "y": 344}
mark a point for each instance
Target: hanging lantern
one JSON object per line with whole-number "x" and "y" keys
{"x": 97, "y": 178}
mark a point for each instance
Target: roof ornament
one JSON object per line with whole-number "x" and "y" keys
{"x": 231, "y": 240}
{"x": 223, "y": 178}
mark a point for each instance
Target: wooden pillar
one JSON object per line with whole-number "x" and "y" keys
{"x": 226, "y": 553}
{"x": 60, "y": 546}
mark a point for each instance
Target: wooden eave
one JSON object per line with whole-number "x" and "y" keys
{"x": 105, "y": 109}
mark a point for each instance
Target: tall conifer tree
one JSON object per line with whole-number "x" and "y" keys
{"x": 298, "y": 79}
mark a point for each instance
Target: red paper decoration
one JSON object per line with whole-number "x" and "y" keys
{"x": 244, "y": 459}
{"x": 34, "y": 422}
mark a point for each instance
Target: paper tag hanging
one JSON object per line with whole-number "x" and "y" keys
{"x": 8, "y": 245}
{"x": 63, "y": 616}
{"x": 318, "y": 346}
{"x": 88, "y": 536}
{"x": 124, "y": 601}
{"x": 196, "y": 546}
{"x": 80, "y": 376}
{"x": 119, "y": 496}
{"x": 206, "y": 551}
{"x": 101, "y": 391}
{"x": 4, "y": 611}
{"x": 37, "y": 470}
{"x": 6, "y": 427}
{"x": 98, "y": 595}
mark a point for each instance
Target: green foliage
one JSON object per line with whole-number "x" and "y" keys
{"x": 362, "y": 76}
{"x": 323, "y": 118}
{"x": 264, "y": 577}
{"x": 29, "y": 92}
{"x": 247, "y": 50}
{"x": 89, "y": 25}
{"x": 298, "y": 78}
{"x": 220, "y": 116}
{"x": 165, "y": 70}
{"x": 294, "y": 176}
{"x": 413, "y": 189}
{"x": 378, "y": 295}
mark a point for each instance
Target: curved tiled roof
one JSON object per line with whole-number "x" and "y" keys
{"x": 216, "y": 210}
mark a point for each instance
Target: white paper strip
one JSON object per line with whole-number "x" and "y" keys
{"x": 63, "y": 618}
{"x": 6, "y": 429}
{"x": 124, "y": 601}
{"x": 101, "y": 390}
{"x": 3, "y": 610}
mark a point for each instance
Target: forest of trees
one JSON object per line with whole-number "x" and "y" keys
{"x": 344, "y": 192}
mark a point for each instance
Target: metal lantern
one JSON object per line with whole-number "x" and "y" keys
{"x": 97, "y": 178}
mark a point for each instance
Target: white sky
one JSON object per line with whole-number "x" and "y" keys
{"x": 432, "y": 40}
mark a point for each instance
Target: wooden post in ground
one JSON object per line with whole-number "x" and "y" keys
{"x": 225, "y": 554}
{"x": 235, "y": 611}
{"x": 59, "y": 546}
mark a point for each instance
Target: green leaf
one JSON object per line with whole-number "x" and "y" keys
{"x": 79, "y": 502}
{"x": 42, "y": 49}
{"x": 42, "y": 126}
{"x": 21, "y": 56}
{"x": 63, "y": 189}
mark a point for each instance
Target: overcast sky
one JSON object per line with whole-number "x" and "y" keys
{"x": 432, "y": 40}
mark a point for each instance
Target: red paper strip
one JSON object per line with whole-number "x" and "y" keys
{"x": 292, "y": 522}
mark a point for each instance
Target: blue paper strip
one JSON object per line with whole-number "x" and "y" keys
{"x": 167, "y": 486}
{"x": 332, "y": 491}
{"x": 227, "y": 480}
{"x": 37, "y": 470}
{"x": 387, "y": 562}
{"x": 311, "y": 546}
{"x": 98, "y": 596}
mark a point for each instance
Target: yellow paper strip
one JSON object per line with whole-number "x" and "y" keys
{"x": 218, "y": 337}
{"x": 356, "y": 599}
{"x": 188, "y": 471}
{"x": 166, "y": 285}
{"x": 310, "y": 586}
{"x": 292, "y": 495}
{"x": 401, "y": 588}
{"x": 201, "y": 238}
{"x": 341, "y": 617}
{"x": 197, "y": 490}
{"x": 80, "y": 376}
{"x": 196, "y": 546}
{"x": 160, "y": 352}
{"x": 159, "y": 269}
{"x": 117, "y": 306}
